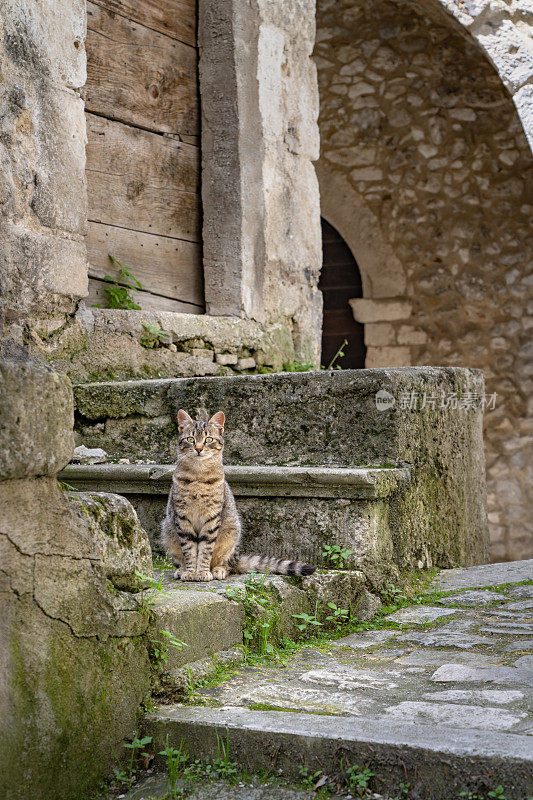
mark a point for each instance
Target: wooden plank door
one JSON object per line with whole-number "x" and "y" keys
{"x": 340, "y": 281}
{"x": 143, "y": 150}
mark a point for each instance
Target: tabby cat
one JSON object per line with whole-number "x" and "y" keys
{"x": 202, "y": 528}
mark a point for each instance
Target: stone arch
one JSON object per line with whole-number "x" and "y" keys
{"x": 503, "y": 31}
{"x": 382, "y": 273}
{"x": 423, "y": 170}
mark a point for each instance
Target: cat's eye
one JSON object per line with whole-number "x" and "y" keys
{"x": 190, "y": 439}
{"x": 208, "y": 438}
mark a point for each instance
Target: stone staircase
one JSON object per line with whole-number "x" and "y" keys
{"x": 314, "y": 459}
{"x": 443, "y": 710}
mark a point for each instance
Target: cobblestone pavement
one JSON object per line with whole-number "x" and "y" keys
{"x": 467, "y": 657}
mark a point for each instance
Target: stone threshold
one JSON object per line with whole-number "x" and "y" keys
{"x": 246, "y": 481}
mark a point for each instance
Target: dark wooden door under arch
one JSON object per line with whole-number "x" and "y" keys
{"x": 340, "y": 281}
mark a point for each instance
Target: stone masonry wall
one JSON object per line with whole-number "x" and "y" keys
{"x": 424, "y": 170}
{"x": 74, "y": 664}
{"x": 43, "y": 214}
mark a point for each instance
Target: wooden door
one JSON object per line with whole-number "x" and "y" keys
{"x": 340, "y": 281}
{"x": 143, "y": 150}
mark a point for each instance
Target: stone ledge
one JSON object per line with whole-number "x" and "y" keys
{"x": 246, "y": 481}
{"x": 443, "y": 759}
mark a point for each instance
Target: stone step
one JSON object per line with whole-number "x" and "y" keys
{"x": 350, "y": 507}
{"x": 438, "y": 761}
{"x": 245, "y": 481}
{"x": 206, "y": 622}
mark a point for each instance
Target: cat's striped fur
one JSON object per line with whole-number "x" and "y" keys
{"x": 202, "y": 528}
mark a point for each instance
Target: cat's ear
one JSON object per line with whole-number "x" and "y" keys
{"x": 218, "y": 419}
{"x": 183, "y": 419}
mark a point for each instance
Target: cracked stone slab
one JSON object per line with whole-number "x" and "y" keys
{"x": 350, "y": 679}
{"x": 525, "y": 662}
{"x": 472, "y": 598}
{"x": 523, "y": 646}
{"x": 485, "y": 575}
{"x": 520, "y": 605}
{"x": 459, "y": 673}
{"x": 487, "y": 718}
{"x": 298, "y": 698}
{"x": 517, "y": 615}
{"x": 508, "y": 628}
{"x": 361, "y": 641}
{"x": 440, "y": 657}
{"x": 439, "y": 638}
{"x": 419, "y": 615}
{"x": 497, "y": 696}
{"x": 520, "y": 592}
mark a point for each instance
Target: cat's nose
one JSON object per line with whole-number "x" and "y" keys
{"x": 199, "y": 449}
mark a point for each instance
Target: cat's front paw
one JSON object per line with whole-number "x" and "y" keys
{"x": 219, "y": 573}
{"x": 205, "y": 575}
{"x": 186, "y": 575}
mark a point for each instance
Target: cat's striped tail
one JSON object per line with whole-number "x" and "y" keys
{"x": 275, "y": 566}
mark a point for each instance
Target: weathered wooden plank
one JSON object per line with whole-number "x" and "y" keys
{"x": 168, "y": 267}
{"x": 141, "y": 180}
{"x": 139, "y": 76}
{"x": 147, "y": 301}
{"x": 175, "y": 18}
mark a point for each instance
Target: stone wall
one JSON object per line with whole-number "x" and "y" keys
{"x": 74, "y": 663}
{"x": 43, "y": 209}
{"x": 424, "y": 172}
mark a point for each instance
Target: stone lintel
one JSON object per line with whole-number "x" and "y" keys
{"x": 245, "y": 481}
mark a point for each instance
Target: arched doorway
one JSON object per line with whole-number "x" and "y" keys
{"x": 340, "y": 281}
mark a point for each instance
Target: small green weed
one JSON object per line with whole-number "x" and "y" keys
{"x": 149, "y": 591}
{"x": 127, "y": 776}
{"x": 154, "y": 337}
{"x": 338, "y": 616}
{"x": 163, "y": 563}
{"x": 176, "y": 761}
{"x": 307, "y": 778}
{"x": 119, "y": 291}
{"x": 495, "y": 794}
{"x": 307, "y": 621}
{"x": 338, "y": 354}
{"x": 357, "y": 779}
{"x": 297, "y": 366}
{"x": 159, "y": 647}
{"x": 260, "y": 615}
{"x": 179, "y": 763}
{"x": 335, "y": 555}
{"x": 66, "y": 487}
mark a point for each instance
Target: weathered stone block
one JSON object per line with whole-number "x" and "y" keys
{"x": 60, "y": 194}
{"x": 46, "y": 39}
{"x": 36, "y": 417}
{"x": 380, "y": 310}
{"x": 68, "y": 703}
{"x": 122, "y": 543}
{"x": 388, "y": 357}
{"x": 205, "y": 622}
{"x": 53, "y": 266}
